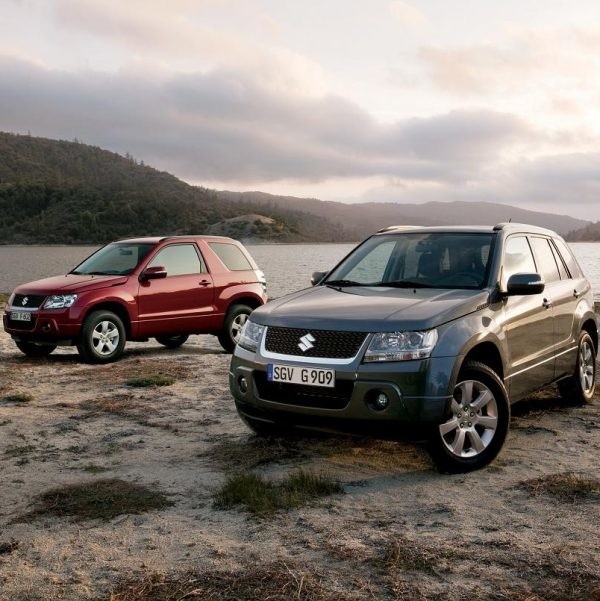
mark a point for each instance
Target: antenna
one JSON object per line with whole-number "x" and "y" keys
{"x": 510, "y": 220}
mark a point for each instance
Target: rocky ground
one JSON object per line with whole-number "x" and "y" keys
{"x": 524, "y": 528}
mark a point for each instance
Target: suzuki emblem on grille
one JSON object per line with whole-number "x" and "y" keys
{"x": 306, "y": 342}
{"x": 24, "y": 301}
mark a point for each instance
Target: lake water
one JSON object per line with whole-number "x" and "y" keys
{"x": 288, "y": 267}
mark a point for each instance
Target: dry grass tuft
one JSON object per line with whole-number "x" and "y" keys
{"x": 6, "y": 548}
{"x": 121, "y": 405}
{"x": 99, "y": 499}
{"x": 563, "y": 487}
{"x": 275, "y": 582}
{"x": 405, "y": 555}
{"x": 262, "y": 497}
{"x": 16, "y": 398}
{"x": 150, "y": 380}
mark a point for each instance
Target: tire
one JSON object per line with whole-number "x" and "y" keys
{"x": 174, "y": 341}
{"x": 102, "y": 338}
{"x": 35, "y": 349}
{"x": 477, "y": 424}
{"x": 579, "y": 388}
{"x": 234, "y": 320}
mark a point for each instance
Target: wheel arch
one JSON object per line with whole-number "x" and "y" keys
{"x": 117, "y": 308}
{"x": 487, "y": 353}
{"x": 590, "y": 327}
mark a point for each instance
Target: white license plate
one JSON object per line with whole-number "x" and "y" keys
{"x": 20, "y": 316}
{"x": 308, "y": 376}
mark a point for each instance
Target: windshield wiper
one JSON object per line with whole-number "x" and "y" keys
{"x": 405, "y": 284}
{"x": 345, "y": 283}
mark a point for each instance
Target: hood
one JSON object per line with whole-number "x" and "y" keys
{"x": 369, "y": 309}
{"x": 72, "y": 283}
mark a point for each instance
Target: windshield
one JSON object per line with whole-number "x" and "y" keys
{"x": 417, "y": 260}
{"x": 118, "y": 258}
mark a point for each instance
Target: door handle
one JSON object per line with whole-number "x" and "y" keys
{"x": 577, "y": 294}
{"x": 546, "y": 303}
{"x": 203, "y": 283}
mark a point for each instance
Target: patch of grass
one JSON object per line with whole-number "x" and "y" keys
{"x": 6, "y": 548}
{"x": 95, "y": 469}
{"x": 17, "y": 398}
{"x": 563, "y": 487}
{"x": 99, "y": 499}
{"x": 150, "y": 380}
{"x": 5, "y": 422}
{"x": 404, "y": 555}
{"x": 121, "y": 405}
{"x": 19, "y": 451}
{"x": 262, "y": 497}
{"x": 275, "y": 582}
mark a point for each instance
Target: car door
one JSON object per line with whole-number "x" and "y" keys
{"x": 181, "y": 302}
{"x": 529, "y": 325}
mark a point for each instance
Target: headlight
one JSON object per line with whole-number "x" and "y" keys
{"x": 60, "y": 301}
{"x": 250, "y": 335}
{"x": 401, "y": 346}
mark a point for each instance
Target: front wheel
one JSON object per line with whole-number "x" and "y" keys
{"x": 579, "y": 388}
{"x": 174, "y": 341}
{"x": 102, "y": 337}
{"x": 477, "y": 423}
{"x": 234, "y": 322}
{"x": 35, "y": 349}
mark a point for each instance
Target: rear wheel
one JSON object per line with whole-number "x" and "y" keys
{"x": 579, "y": 388}
{"x": 234, "y": 322}
{"x": 477, "y": 423}
{"x": 35, "y": 349}
{"x": 172, "y": 341}
{"x": 102, "y": 337}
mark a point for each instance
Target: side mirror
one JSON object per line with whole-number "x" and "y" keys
{"x": 156, "y": 272}
{"x": 521, "y": 284}
{"x": 317, "y": 276}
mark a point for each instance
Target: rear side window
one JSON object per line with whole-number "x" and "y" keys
{"x": 231, "y": 256}
{"x": 568, "y": 258}
{"x": 178, "y": 259}
{"x": 545, "y": 259}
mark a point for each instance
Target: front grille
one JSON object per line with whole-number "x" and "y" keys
{"x": 32, "y": 301}
{"x": 304, "y": 396}
{"x": 329, "y": 344}
{"x": 22, "y": 325}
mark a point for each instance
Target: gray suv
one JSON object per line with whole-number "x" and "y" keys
{"x": 430, "y": 330}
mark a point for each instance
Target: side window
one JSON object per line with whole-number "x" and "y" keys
{"x": 545, "y": 259}
{"x": 568, "y": 258}
{"x": 564, "y": 274}
{"x": 231, "y": 256}
{"x": 518, "y": 257}
{"x": 178, "y": 259}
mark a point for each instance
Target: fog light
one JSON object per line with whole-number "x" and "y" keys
{"x": 377, "y": 400}
{"x": 381, "y": 401}
{"x": 243, "y": 384}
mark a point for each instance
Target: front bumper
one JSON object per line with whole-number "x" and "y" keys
{"x": 419, "y": 392}
{"x": 45, "y": 326}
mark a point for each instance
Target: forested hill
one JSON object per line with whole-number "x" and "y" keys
{"x": 59, "y": 192}
{"x": 63, "y": 192}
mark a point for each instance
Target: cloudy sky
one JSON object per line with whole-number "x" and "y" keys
{"x": 387, "y": 100}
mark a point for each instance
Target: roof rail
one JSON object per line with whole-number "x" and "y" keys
{"x": 391, "y": 228}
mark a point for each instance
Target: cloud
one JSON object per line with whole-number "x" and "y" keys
{"x": 177, "y": 33}
{"x": 225, "y": 125}
{"x": 406, "y": 14}
{"x": 522, "y": 61}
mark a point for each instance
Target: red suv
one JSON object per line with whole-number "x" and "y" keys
{"x": 166, "y": 288}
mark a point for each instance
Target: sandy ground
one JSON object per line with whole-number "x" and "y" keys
{"x": 485, "y": 537}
